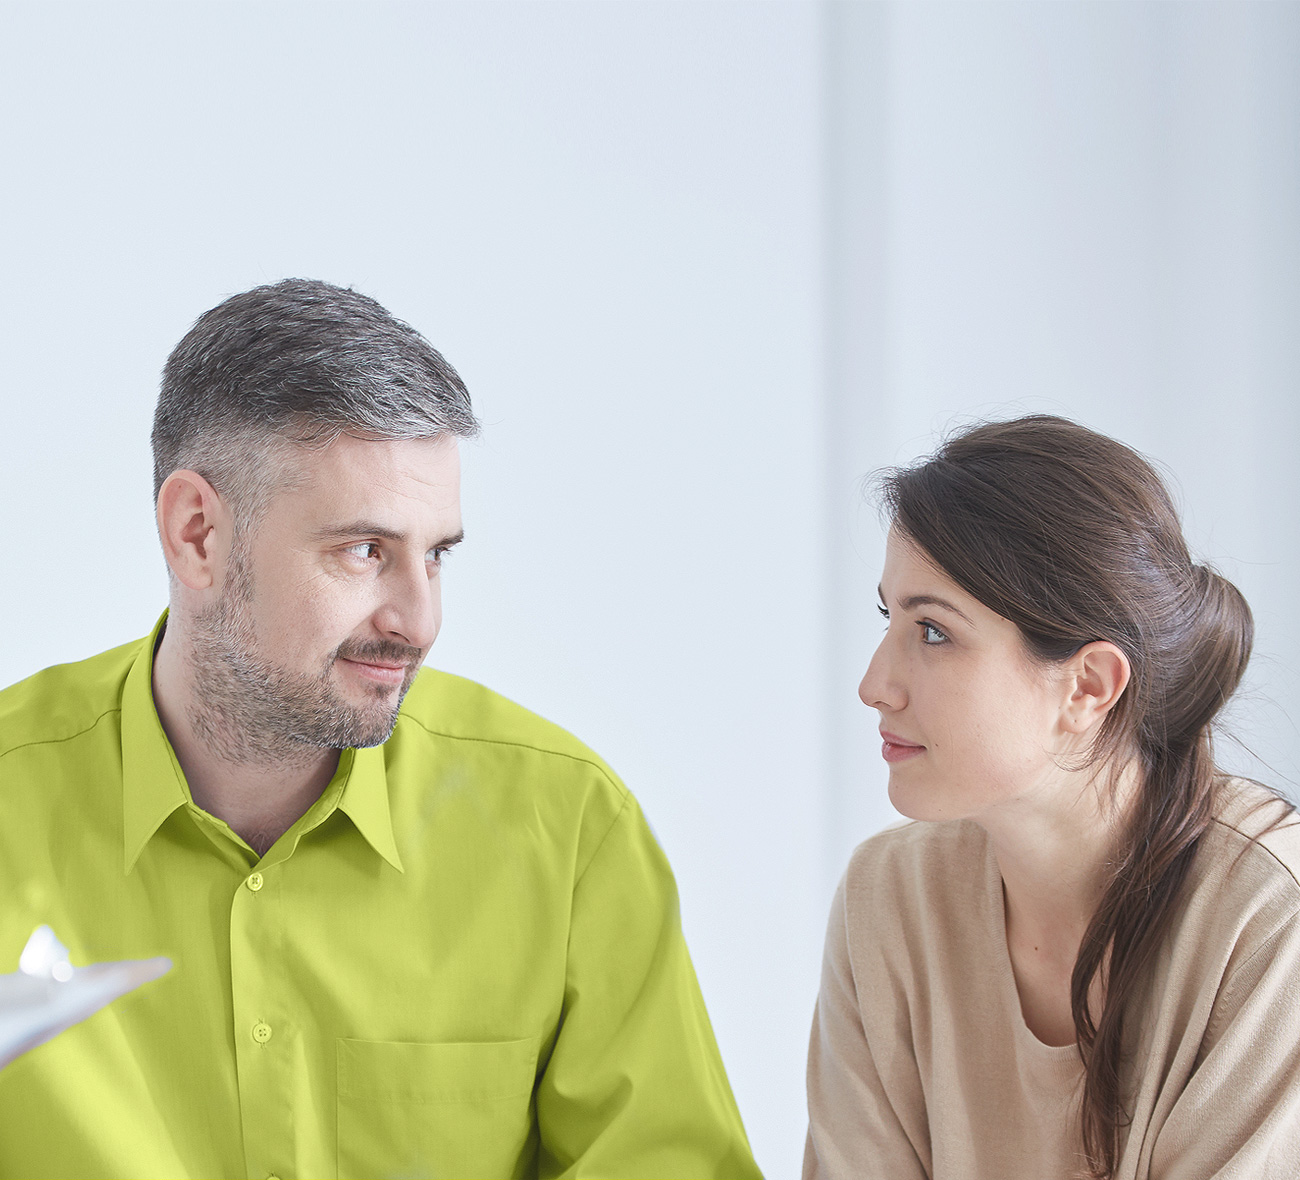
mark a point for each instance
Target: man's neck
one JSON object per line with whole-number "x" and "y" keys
{"x": 258, "y": 799}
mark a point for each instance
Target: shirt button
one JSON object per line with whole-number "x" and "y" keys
{"x": 261, "y": 1032}
{"x": 254, "y": 882}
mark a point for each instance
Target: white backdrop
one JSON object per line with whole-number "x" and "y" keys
{"x": 702, "y": 266}
{"x": 1075, "y": 208}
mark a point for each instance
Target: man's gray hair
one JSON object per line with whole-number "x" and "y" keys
{"x": 299, "y": 361}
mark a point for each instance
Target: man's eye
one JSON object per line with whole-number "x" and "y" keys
{"x": 366, "y": 550}
{"x": 930, "y": 634}
{"x": 435, "y": 556}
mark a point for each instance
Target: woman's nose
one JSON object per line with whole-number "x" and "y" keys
{"x": 880, "y": 687}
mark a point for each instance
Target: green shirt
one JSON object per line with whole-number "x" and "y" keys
{"x": 465, "y": 959}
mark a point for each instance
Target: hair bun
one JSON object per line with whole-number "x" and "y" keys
{"x": 1219, "y": 635}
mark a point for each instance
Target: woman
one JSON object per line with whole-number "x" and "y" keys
{"x": 1084, "y": 960}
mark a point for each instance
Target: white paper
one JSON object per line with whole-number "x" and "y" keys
{"x": 47, "y": 994}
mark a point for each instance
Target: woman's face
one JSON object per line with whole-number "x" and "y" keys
{"x": 969, "y": 720}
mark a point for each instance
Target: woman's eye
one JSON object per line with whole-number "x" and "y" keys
{"x": 930, "y": 634}
{"x": 884, "y": 611}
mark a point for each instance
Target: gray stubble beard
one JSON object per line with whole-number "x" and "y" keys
{"x": 249, "y": 711}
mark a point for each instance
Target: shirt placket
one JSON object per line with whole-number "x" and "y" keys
{"x": 263, "y": 1032}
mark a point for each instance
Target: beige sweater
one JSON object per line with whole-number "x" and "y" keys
{"x": 921, "y": 1064}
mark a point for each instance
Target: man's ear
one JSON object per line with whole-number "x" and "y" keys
{"x": 195, "y": 528}
{"x": 1096, "y": 677}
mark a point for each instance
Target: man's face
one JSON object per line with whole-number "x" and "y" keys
{"x": 328, "y": 608}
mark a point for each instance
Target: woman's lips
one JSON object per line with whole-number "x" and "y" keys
{"x": 895, "y": 749}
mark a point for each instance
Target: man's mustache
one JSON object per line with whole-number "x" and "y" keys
{"x": 378, "y": 651}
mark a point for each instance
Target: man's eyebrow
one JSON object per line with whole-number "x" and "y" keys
{"x": 368, "y": 528}
{"x": 915, "y": 600}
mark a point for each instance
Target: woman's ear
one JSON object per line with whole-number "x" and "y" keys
{"x": 1096, "y": 677}
{"x": 194, "y": 527}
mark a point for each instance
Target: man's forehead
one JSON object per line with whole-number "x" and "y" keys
{"x": 435, "y": 461}
{"x": 393, "y": 484}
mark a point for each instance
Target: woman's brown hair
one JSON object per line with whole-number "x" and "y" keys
{"x": 1073, "y": 537}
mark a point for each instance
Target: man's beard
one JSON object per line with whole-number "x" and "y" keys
{"x": 247, "y": 710}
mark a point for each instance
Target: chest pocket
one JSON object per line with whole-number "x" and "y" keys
{"x": 435, "y": 1110}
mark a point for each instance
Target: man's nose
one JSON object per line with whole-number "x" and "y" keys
{"x": 412, "y": 608}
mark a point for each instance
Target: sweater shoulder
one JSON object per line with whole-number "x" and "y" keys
{"x": 1252, "y": 846}
{"x": 920, "y": 907}
{"x": 1245, "y": 880}
{"x": 935, "y": 871}
{"x": 918, "y": 850}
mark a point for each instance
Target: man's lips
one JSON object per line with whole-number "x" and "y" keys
{"x": 377, "y": 671}
{"x": 897, "y": 749}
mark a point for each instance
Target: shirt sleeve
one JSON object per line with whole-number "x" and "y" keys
{"x": 1239, "y": 1114}
{"x": 635, "y": 1085}
{"x": 854, "y": 1131}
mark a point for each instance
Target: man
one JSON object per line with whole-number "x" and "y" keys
{"x": 439, "y": 941}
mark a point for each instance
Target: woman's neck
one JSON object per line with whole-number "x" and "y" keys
{"x": 1055, "y": 848}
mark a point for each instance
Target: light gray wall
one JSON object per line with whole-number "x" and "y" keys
{"x": 1075, "y": 208}
{"x": 702, "y": 266}
{"x": 607, "y": 217}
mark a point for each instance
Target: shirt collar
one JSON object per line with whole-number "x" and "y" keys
{"x": 365, "y": 802}
{"x": 153, "y": 785}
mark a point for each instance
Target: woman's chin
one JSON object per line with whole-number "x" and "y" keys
{"x": 912, "y": 800}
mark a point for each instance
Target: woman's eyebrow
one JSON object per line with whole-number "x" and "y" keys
{"x": 915, "y": 600}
